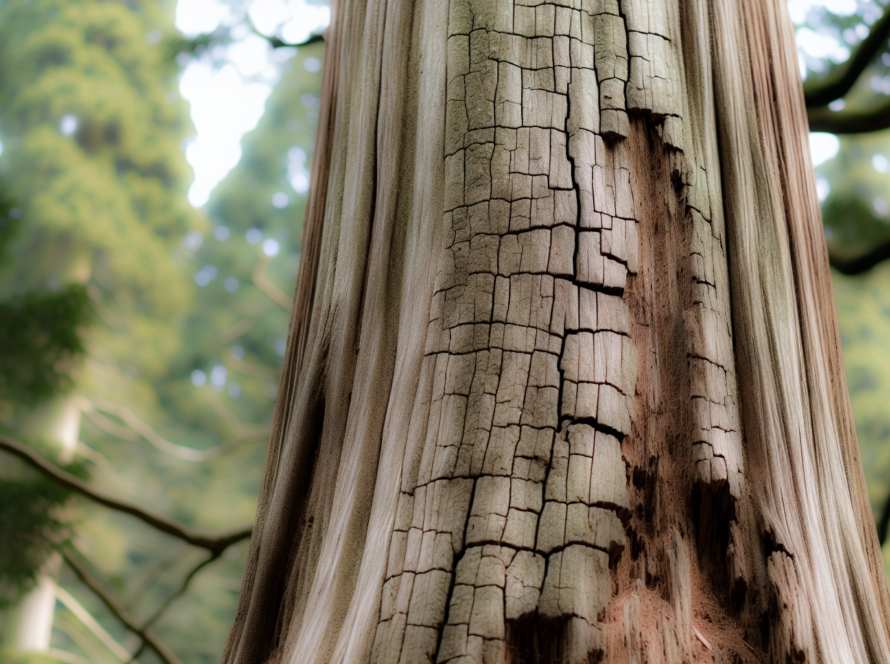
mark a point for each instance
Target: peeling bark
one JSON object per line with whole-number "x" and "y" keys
{"x": 563, "y": 381}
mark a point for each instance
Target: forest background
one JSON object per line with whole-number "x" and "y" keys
{"x": 144, "y": 307}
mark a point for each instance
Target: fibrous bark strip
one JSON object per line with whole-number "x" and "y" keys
{"x": 553, "y": 241}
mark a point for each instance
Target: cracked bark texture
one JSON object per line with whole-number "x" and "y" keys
{"x": 563, "y": 381}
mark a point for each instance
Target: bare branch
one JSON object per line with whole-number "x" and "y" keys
{"x": 262, "y": 282}
{"x": 214, "y": 542}
{"x": 100, "y": 460}
{"x": 75, "y": 631}
{"x": 849, "y": 122}
{"x": 172, "y": 596}
{"x": 842, "y": 77}
{"x": 147, "y": 634}
{"x": 275, "y": 42}
{"x": 279, "y": 43}
{"x": 109, "y": 426}
{"x": 92, "y": 624}
{"x": 860, "y": 264}
{"x": 182, "y": 588}
{"x": 67, "y": 657}
{"x": 239, "y": 329}
{"x": 136, "y": 425}
{"x": 153, "y": 572}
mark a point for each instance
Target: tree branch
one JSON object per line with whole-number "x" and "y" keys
{"x": 67, "y": 657}
{"x": 109, "y": 426}
{"x": 80, "y": 636}
{"x": 92, "y": 624}
{"x": 99, "y": 459}
{"x": 137, "y": 426}
{"x": 884, "y": 522}
{"x": 172, "y": 596}
{"x": 278, "y": 43}
{"x": 239, "y": 329}
{"x": 849, "y": 122}
{"x": 262, "y": 282}
{"x": 147, "y": 634}
{"x": 212, "y": 541}
{"x": 152, "y": 574}
{"x": 860, "y": 264}
{"x": 275, "y": 42}
{"x": 842, "y": 77}
{"x": 179, "y": 591}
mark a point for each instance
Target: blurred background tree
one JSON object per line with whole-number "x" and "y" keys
{"x": 91, "y": 152}
{"x": 157, "y": 379}
{"x": 171, "y": 404}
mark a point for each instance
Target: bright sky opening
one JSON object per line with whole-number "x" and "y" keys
{"x": 823, "y": 147}
{"x": 228, "y": 101}
{"x": 799, "y": 8}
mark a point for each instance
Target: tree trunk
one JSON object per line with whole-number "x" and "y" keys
{"x": 27, "y": 626}
{"x": 563, "y": 380}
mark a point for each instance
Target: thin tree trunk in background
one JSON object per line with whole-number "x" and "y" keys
{"x": 563, "y": 380}
{"x": 27, "y": 626}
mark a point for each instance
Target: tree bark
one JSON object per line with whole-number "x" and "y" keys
{"x": 563, "y": 381}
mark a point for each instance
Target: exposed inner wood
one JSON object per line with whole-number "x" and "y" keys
{"x": 554, "y": 389}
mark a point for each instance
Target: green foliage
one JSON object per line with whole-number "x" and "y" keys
{"x": 105, "y": 207}
{"x": 9, "y": 220}
{"x": 237, "y": 327}
{"x": 32, "y": 525}
{"x": 91, "y": 125}
{"x": 40, "y": 332}
{"x": 197, "y": 46}
{"x": 25, "y": 534}
{"x": 245, "y": 218}
{"x": 39, "y": 343}
{"x": 108, "y": 194}
{"x": 856, "y": 212}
